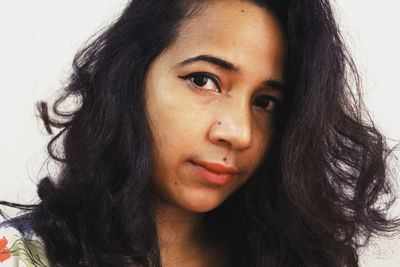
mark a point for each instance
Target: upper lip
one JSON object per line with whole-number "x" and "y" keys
{"x": 216, "y": 167}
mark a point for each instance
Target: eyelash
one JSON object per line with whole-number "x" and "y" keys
{"x": 206, "y": 75}
{"x": 190, "y": 78}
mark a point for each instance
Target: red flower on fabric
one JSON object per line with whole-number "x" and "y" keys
{"x": 4, "y": 253}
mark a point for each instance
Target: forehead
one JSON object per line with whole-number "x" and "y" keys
{"x": 236, "y": 31}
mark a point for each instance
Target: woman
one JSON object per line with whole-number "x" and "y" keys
{"x": 209, "y": 133}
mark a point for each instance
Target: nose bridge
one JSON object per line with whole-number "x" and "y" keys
{"x": 235, "y": 122}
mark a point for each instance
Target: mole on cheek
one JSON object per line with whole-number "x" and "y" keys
{"x": 242, "y": 10}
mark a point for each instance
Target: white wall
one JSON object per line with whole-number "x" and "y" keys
{"x": 372, "y": 32}
{"x": 39, "y": 38}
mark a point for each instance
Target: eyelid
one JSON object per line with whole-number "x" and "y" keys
{"x": 210, "y": 76}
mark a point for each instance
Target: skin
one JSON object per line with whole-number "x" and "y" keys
{"x": 228, "y": 120}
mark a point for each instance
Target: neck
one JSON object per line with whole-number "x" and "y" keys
{"x": 183, "y": 238}
{"x": 177, "y": 227}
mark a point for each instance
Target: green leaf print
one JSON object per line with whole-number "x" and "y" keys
{"x": 31, "y": 252}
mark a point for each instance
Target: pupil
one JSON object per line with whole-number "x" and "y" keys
{"x": 262, "y": 102}
{"x": 200, "y": 81}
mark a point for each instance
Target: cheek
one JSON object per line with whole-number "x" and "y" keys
{"x": 175, "y": 124}
{"x": 178, "y": 118}
{"x": 262, "y": 140}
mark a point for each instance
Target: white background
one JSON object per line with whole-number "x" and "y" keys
{"x": 38, "y": 40}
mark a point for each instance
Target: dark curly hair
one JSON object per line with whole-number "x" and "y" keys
{"x": 318, "y": 196}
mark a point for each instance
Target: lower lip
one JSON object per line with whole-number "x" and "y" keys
{"x": 212, "y": 177}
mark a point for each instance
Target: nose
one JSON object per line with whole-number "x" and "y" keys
{"x": 232, "y": 127}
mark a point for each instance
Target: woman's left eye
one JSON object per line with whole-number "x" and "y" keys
{"x": 203, "y": 81}
{"x": 266, "y": 102}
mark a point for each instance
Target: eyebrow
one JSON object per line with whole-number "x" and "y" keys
{"x": 231, "y": 67}
{"x": 214, "y": 60}
{"x": 275, "y": 84}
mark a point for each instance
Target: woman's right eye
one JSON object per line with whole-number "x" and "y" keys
{"x": 203, "y": 81}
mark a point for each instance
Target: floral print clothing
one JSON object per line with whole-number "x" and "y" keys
{"x": 19, "y": 246}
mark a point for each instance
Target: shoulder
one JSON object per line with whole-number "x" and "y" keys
{"x": 19, "y": 245}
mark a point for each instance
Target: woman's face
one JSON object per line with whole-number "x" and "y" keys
{"x": 211, "y": 99}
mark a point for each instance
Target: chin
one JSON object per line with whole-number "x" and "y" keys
{"x": 201, "y": 202}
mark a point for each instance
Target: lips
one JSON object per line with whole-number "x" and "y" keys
{"x": 214, "y": 173}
